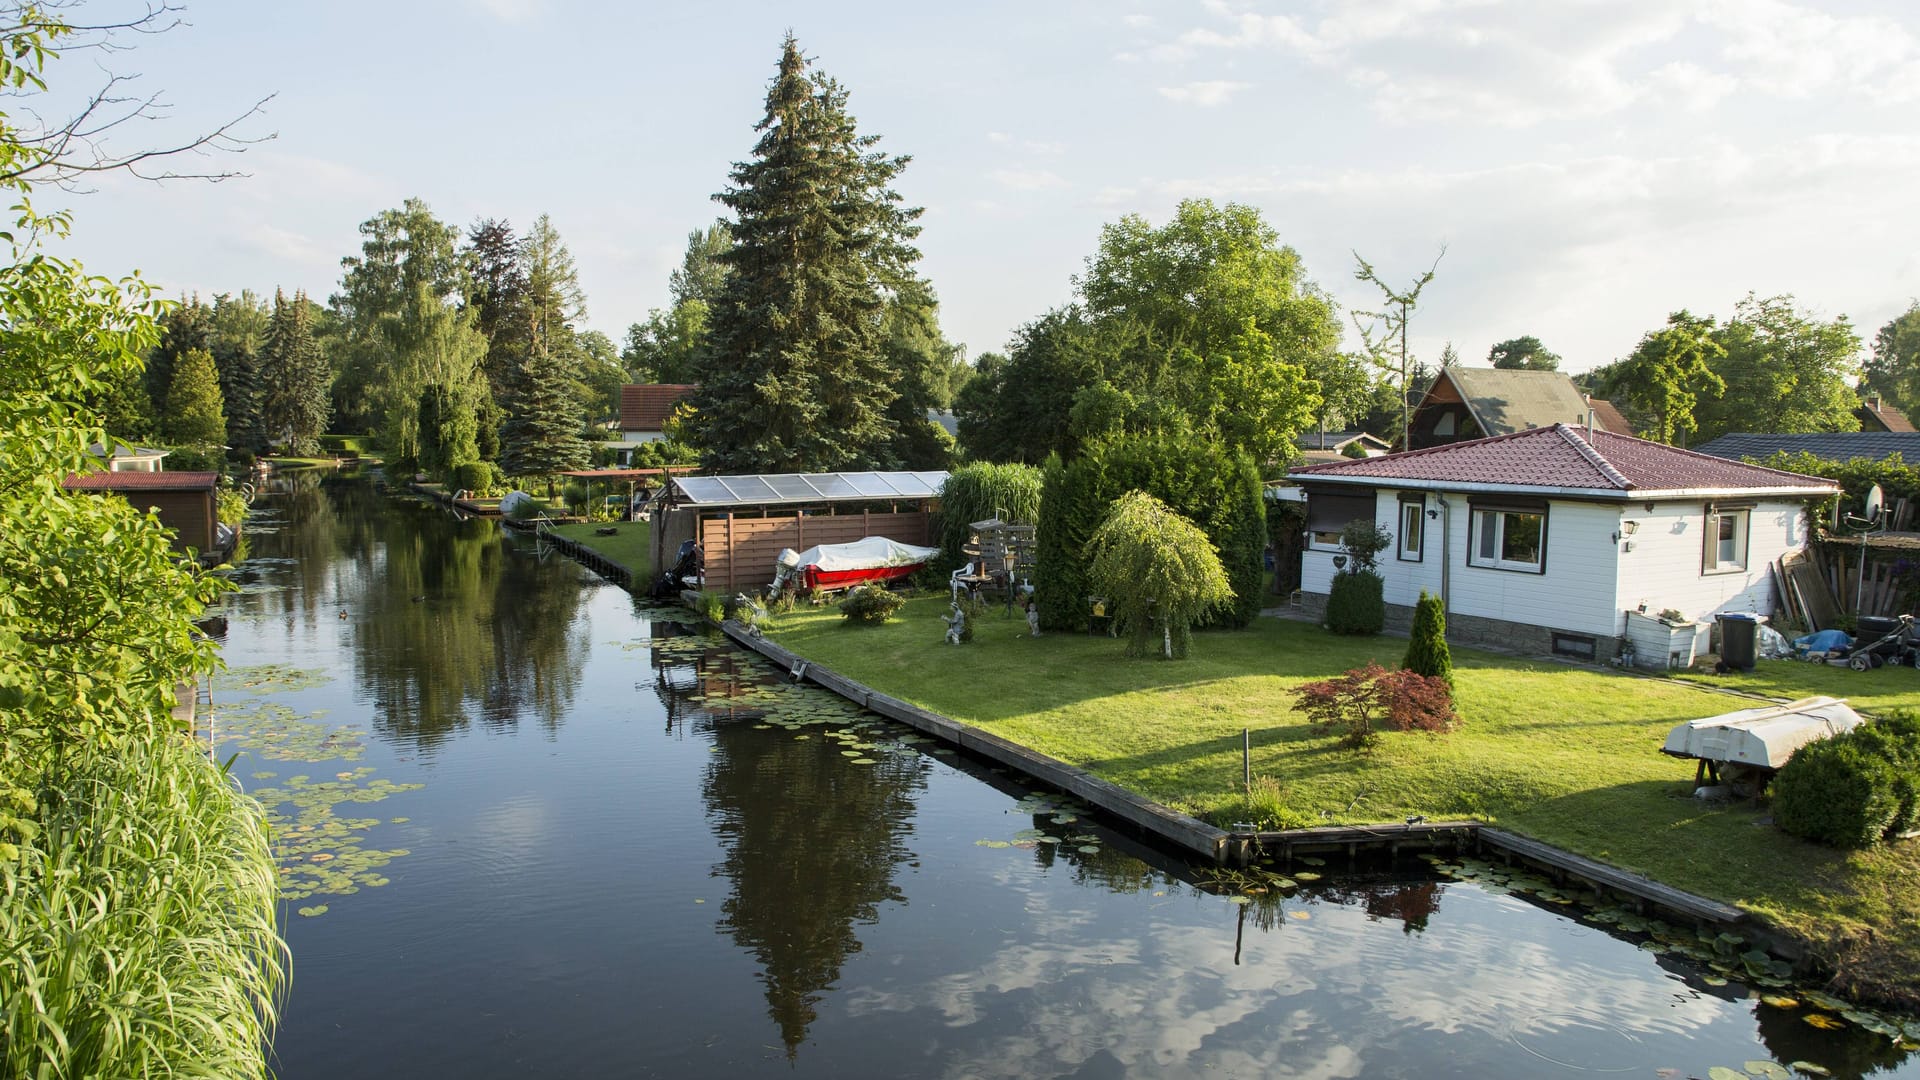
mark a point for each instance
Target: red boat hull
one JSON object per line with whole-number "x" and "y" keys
{"x": 830, "y": 580}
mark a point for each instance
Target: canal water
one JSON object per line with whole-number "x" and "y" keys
{"x": 531, "y": 826}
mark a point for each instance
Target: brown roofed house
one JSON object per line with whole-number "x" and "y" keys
{"x": 644, "y": 409}
{"x": 1470, "y": 403}
{"x": 1876, "y": 415}
{"x": 185, "y": 502}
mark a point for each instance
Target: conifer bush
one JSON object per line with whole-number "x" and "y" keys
{"x": 1427, "y": 652}
{"x": 1356, "y": 603}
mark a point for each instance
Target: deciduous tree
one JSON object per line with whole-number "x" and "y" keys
{"x": 1159, "y": 573}
{"x": 1385, "y": 332}
{"x": 1668, "y": 374}
{"x": 1523, "y": 353}
{"x": 1785, "y": 371}
{"x": 193, "y": 416}
{"x": 1893, "y": 371}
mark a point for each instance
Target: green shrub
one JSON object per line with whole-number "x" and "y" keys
{"x": 1363, "y": 540}
{"x": 1356, "y": 604}
{"x": 477, "y": 477}
{"x": 714, "y": 606}
{"x": 1264, "y": 807}
{"x": 195, "y": 459}
{"x": 870, "y": 604}
{"x": 1427, "y": 652}
{"x": 977, "y": 492}
{"x": 1853, "y": 790}
{"x": 972, "y": 608}
{"x": 1215, "y": 488}
{"x": 231, "y": 507}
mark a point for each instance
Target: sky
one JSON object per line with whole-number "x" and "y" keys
{"x": 1587, "y": 167}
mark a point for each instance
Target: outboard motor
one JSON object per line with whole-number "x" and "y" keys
{"x": 691, "y": 562}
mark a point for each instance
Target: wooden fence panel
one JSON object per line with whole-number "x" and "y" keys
{"x": 741, "y": 551}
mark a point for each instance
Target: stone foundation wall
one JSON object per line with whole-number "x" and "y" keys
{"x": 1475, "y": 631}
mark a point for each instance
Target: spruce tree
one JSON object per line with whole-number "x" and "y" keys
{"x": 295, "y": 377}
{"x": 542, "y": 433}
{"x": 1427, "y": 652}
{"x": 238, "y": 333}
{"x": 796, "y": 378}
{"x": 193, "y": 416}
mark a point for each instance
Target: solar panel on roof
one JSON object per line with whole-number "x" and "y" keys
{"x": 793, "y": 486}
{"x": 777, "y": 488}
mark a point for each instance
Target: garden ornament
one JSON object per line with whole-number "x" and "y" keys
{"x": 956, "y": 623}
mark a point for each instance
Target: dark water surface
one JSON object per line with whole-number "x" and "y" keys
{"x": 623, "y": 859}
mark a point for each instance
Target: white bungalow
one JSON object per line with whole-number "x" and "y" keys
{"x": 1544, "y": 539}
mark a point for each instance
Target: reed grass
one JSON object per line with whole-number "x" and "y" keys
{"x": 137, "y": 932}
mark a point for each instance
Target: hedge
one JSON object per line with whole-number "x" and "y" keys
{"x": 1216, "y": 488}
{"x": 1355, "y": 604}
{"x": 1853, "y": 790}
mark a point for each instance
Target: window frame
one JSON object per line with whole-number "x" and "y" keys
{"x": 1477, "y": 533}
{"x": 1742, "y": 540}
{"x": 1417, "y": 553}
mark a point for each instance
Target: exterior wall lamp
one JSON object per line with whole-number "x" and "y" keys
{"x": 1627, "y": 529}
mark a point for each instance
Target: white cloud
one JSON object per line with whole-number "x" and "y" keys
{"x": 1028, "y": 179}
{"x": 1513, "y": 63}
{"x": 1208, "y": 94}
{"x": 512, "y": 11}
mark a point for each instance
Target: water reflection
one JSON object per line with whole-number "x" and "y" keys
{"x": 809, "y": 867}
{"x": 447, "y": 621}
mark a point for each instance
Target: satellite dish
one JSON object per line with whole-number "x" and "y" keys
{"x": 1876, "y": 501}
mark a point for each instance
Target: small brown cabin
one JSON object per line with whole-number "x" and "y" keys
{"x": 185, "y": 501}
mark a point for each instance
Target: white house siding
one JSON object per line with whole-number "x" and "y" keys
{"x": 1664, "y": 568}
{"x": 1576, "y": 593}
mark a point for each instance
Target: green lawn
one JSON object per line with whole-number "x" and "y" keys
{"x": 1869, "y": 691}
{"x": 1564, "y": 754}
{"x": 630, "y": 546}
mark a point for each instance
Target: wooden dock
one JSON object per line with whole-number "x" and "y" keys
{"x": 592, "y": 559}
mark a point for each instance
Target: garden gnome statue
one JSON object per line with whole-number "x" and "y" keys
{"x": 956, "y": 622}
{"x": 1033, "y": 619}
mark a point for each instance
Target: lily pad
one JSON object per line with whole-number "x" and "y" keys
{"x": 317, "y": 909}
{"x": 1768, "y": 1070}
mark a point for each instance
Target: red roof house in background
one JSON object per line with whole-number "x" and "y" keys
{"x": 644, "y": 409}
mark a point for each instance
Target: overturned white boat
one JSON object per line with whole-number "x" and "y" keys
{"x": 828, "y": 567}
{"x": 1745, "y": 747}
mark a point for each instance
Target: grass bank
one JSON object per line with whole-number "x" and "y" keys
{"x": 1566, "y": 755}
{"x": 630, "y": 545}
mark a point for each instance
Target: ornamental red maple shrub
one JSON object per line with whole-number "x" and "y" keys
{"x": 1364, "y": 699}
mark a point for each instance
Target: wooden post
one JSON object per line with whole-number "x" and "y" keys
{"x": 1246, "y": 758}
{"x": 729, "y": 551}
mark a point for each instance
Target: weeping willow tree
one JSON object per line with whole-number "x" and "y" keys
{"x": 1159, "y": 573}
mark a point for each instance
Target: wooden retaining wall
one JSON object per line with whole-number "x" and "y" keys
{"x": 593, "y": 560}
{"x": 741, "y": 551}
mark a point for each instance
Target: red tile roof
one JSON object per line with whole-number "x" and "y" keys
{"x": 142, "y": 481}
{"x": 646, "y": 406}
{"x": 1562, "y": 458}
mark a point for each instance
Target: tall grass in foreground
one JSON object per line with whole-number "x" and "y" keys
{"x": 137, "y": 930}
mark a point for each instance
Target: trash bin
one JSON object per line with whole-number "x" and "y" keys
{"x": 1739, "y": 640}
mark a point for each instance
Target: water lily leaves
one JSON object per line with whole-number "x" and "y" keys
{"x": 1240, "y": 899}
{"x": 1300, "y": 915}
{"x": 1306, "y": 875}
{"x": 1779, "y": 1001}
{"x": 1714, "y": 980}
{"x": 1721, "y": 1072}
{"x": 1824, "y": 1022}
{"x": 1089, "y": 849}
{"x": 1810, "y": 1069}
{"x": 311, "y": 912}
{"x": 863, "y": 761}
{"x": 269, "y": 679}
{"x": 1768, "y": 1070}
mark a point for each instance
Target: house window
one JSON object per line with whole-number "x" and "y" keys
{"x": 1509, "y": 540}
{"x": 1329, "y": 512}
{"x": 1412, "y": 520}
{"x": 1727, "y": 541}
{"x": 1444, "y": 426}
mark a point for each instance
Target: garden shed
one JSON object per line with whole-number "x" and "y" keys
{"x": 743, "y": 522}
{"x": 1544, "y": 539}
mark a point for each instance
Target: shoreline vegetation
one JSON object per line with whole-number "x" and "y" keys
{"x": 1563, "y": 754}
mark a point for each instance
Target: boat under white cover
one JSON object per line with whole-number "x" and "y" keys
{"x": 1764, "y": 737}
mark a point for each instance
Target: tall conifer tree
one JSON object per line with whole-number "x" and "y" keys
{"x": 239, "y": 332}
{"x": 542, "y": 433}
{"x": 296, "y": 377}
{"x": 796, "y": 377}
